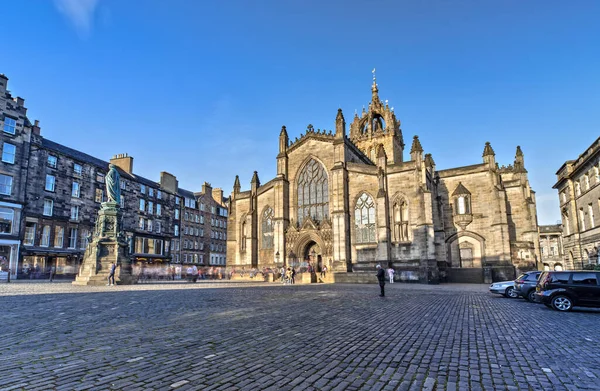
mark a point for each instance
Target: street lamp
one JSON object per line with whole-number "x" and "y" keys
{"x": 277, "y": 257}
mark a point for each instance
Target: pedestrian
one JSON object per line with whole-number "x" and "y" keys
{"x": 52, "y": 272}
{"x": 381, "y": 279}
{"x": 293, "y": 276}
{"x": 282, "y": 271}
{"x": 391, "y": 274}
{"x": 189, "y": 273}
{"x": 172, "y": 273}
{"x": 324, "y": 272}
{"x": 195, "y": 273}
{"x": 111, "y": 274}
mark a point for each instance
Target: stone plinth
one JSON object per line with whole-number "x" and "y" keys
{"x": 107, "y": 245}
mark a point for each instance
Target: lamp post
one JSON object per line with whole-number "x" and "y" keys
{"x": 277, "y": 258}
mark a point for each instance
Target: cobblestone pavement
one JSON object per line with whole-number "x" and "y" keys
{"x": 244, "y": 336}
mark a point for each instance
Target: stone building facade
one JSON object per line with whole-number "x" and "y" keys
{"x": 15, "y": 135}
{"x": 50, "y": 195}
{"x": 578, "y": 186}
{"x": 349, "y": 203}
{"x": 551, "y": 247}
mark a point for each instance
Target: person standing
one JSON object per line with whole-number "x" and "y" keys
{"x": 381, "y": 279}
{"x": 195, "y": 273}
{"x": 52, "y": 272}
{"x": 111, "y": 274}
{"x": 391, "y": 274}
{"x": 324, "y": 272}
{"x": 293, "y": 276}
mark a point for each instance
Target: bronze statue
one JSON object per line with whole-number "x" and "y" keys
{"x": 113, "y": 186}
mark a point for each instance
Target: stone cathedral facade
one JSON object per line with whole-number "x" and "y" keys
{"x": 351, "y": 201}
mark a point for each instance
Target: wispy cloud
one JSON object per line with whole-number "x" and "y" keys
{"x": 79, "y": 12}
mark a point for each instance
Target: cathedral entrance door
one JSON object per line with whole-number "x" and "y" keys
{"x": 312, "y": 257}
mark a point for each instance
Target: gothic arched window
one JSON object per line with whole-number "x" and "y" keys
{"x": 243, "y": 232}
{"x": 267, "y": 228}
{"x": 400, "y": 209}
{"x": 313, "y": 192}
{"x": 364, "y": 219}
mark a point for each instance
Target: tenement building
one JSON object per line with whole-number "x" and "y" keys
{"x": 551, "y": 247}
{"x": 351, "y": 201}
{"x": 50, "y": 195}
{"x": 16, "y": 131}
{"x": 578, "y": 186}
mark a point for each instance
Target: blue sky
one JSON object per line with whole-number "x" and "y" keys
{"x": 201, "y": 89}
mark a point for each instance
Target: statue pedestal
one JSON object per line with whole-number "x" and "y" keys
{"x": 107, "y": 245}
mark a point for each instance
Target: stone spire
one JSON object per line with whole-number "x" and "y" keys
{"x": 236, "y": 185}
{"x": 519, "y": 161}
{"x": 416, "y": 151}
{"x": 429, "y": 163}
{"x": 283, "y": 140}
{"x": 340, "y": 125}
{"x": 487, "y": 150}
{"x": 489, "y": 157}
{"x": 255, "y": 182}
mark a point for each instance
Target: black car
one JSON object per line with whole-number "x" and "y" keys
{"x": 525, "y": 284}
{"x": 567, "y": 289}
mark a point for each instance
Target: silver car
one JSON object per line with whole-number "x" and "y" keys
{"x": 506, "y": 288}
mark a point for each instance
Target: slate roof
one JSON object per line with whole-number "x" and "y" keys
{"x": 85, "y": 158}
{"x": 461, "y": 190}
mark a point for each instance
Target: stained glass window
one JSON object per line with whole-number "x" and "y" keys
{"x": 313, "y": 193}
{"x": 364, "y": 219}
{"x": 267, "y": 228}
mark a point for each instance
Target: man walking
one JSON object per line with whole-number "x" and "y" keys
{"x": 381, "y": 279}
{"x": 111, "y": 274}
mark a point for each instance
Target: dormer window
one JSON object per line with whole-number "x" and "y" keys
{"x": 462, "y": 200}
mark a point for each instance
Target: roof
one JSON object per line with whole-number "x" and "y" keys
{"x": 461, "y": 190}
{"x": 186, "y": 193}
{"x": 85, "y": 158}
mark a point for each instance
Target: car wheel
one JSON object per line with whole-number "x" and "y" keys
{"x": 531, "y": 296}
{"x": 562, "y": 303}
{"x": 511, "y": 293}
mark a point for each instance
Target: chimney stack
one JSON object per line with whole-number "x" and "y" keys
{"x": 124, "y": 162}
{"x": 168, "y": 182}
{"x": 36, "y": 128}
{"x": 3, "y": 83}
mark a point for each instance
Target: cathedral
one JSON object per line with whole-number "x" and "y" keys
{"x": 351, "y": 201}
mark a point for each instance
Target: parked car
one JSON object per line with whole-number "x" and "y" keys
{"x": 525, "y": 284}
{"x": 567, "y": 289}
{"x": 506, "y": 288}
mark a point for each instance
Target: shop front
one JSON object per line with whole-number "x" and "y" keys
{"x": 9, "y": 256}
{"x": 37, "y": 264}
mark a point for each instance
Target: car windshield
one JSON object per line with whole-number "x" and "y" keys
{"x": 522, "y": 277}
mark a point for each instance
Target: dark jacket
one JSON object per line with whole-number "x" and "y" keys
{"x": 381, "y": 275}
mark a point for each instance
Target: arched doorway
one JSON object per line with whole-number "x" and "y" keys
{"x": 312, "y": 256}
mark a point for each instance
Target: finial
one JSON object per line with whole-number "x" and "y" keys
{"x": 374, "y": 78}
{"x": 392, "y": 108}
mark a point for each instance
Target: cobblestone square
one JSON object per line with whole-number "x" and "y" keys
{"x": 245, "y": 336}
